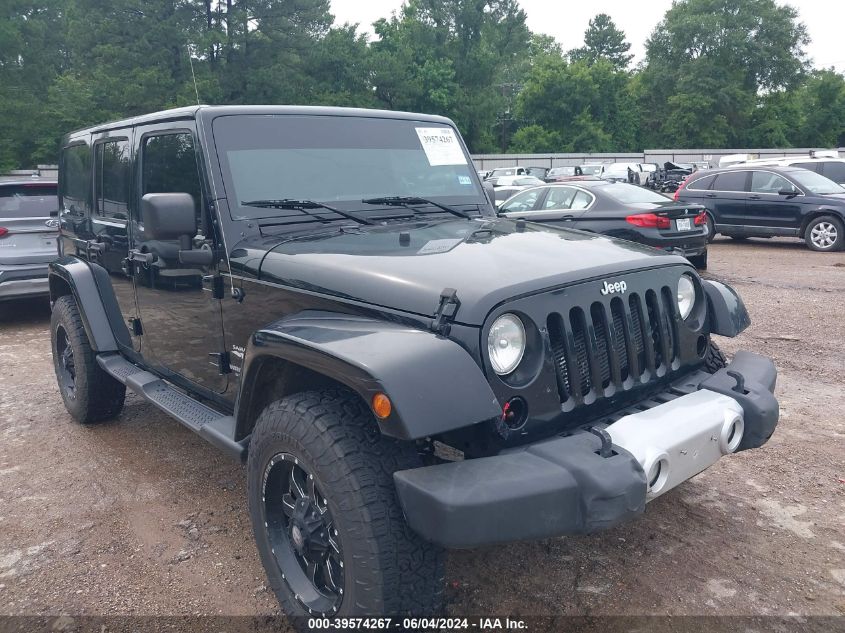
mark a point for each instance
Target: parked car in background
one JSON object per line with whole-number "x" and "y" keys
{"x": 770, "y": 201}
{"x": 618, "y": 210}
{"x": 669, "y": 177}
{"x": 828, "y": 166}
{"x": 28, "y": 232}
{"x": 538, "y": 172}
{"x": 559, "y": 173}
{"x": 506, "y": 186}
{"x": 633, "y": 173}
{"x": 507, "y": 171}
{"x": 593, "y": 169}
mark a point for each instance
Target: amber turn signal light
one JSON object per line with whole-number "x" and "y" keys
{"x": 382, "y": 405}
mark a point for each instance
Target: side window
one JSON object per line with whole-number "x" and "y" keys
{"x": 701, "y": 184}
{"x": 730, "y": 181}
{"x": 559, "y": 198}
{"x": 524, "y": 201}
{"x": 111, "y": 179}
{"x": 767, "y": 182}
{"x": 76, "y": 179}
{"x": 169, "y": 165}
{"x": 581, "y": 200}
{"x": 835, "y": 171}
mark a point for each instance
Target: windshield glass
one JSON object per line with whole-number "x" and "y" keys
{"x": 28, "y": 201}
{"x": 815, "y": 183}
{"x": 340, "y": 160}
{"x": 562, "y": 171}
{"x": 618, "y": 169}
{"x": 630, "y": 194}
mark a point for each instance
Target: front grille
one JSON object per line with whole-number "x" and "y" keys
{"x": 613, "y": 344}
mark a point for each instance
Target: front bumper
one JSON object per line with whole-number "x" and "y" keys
{"x": 24, "y": 280}
{"x": 565, "y": 485}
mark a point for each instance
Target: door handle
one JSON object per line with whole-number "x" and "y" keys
{"x": 567, "y": 217}
{"x": 753, "y": 197}
{"x": 709, "y": 195}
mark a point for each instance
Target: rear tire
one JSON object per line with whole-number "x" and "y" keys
{"x": 825, "y": 234}
{"x": 714, "y": 359}
{"x": 699, "y": 261}
{"x": 89, "y": 393}
{"x": 711, "y": 229}
{"x": 373, "y": 563}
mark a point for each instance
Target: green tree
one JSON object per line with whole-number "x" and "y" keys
{"x": 535, "y": 139}
{"x": 589, "y": 105}
{"x": 708, "y": 61}
{"x": 822, "y": 104}
{"x": 448, "y": 57}
{"x": 603, "y": 40}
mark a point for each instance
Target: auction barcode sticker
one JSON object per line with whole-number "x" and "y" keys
{"x": 441, "y": 146}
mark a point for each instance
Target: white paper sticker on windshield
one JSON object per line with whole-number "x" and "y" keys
{"x": 441, "y": 146}
{"x": 438, "y": 246}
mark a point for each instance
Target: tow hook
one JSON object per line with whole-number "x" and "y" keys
{"x": 606, "y": 449}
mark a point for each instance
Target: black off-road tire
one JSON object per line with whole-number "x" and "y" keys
{"x": 93, "y": 396}
{"x": 835, "y": 227}
{"x": 714, "y": 359}
{"x": 389, "y": 569}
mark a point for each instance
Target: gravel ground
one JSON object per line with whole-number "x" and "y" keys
{"x": 140, "y": 516}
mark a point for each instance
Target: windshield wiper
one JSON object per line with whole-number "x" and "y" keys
{"x": 411, "y": 201}
{"x": 302, "y": 205}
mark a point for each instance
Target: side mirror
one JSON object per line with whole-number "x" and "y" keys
{"x": 169, "y": 216}
{"x": 789, "y": 193}
{"x": 490, "y": 192}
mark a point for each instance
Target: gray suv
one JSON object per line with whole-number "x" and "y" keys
{"x": 28, "y": 232}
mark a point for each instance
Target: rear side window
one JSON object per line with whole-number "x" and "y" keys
{"x": 702, "y": 184}
{"x": 169, "y": 165}
{"x": 111, "y": 179}
{"x": 28, "y": 201}
{"x": 581, "y": 200}
{"x": 76, "y": 180}
{"x": 730, "y": 181}
{"x": 835, "y": 171}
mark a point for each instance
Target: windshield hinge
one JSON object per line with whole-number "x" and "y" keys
{"x": 446, "y": 310}
{"x": 221, "y": 360}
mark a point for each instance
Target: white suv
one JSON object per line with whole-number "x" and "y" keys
{"x": 829, "y": 167}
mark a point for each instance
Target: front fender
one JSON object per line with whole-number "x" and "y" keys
{"x": 727, "y": 313}
{"x": 433, "y": 383}
{"x": 91, "y": 288}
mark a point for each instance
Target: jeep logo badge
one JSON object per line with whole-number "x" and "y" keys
{"x": 619, "y": 286}
{"x": 52, "y": 223}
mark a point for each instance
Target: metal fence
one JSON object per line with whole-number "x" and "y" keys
{"x": 659, "y": 156}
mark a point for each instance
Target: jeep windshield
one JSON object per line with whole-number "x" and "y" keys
{"x": 342, "y": 161}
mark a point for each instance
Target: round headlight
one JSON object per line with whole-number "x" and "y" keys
{"x": 506, "y": 343}
{"x": 686, "y": 295}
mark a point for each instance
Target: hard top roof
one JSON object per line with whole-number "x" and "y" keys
{"x": 207, "y": 111}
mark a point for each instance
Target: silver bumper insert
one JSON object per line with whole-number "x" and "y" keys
{"x": 679, "y": 439}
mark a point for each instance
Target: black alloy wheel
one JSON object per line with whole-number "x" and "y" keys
{"x": 302, "y": 535}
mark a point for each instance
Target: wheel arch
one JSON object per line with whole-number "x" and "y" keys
{"x": 90, "y": 286}
{"x": 433, "y": 383}
{"x": 812, "y": 215}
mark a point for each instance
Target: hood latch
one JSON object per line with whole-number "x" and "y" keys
{"x": 446, "y": 310}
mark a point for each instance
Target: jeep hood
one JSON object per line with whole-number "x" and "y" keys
{"x": 406, "y": 267}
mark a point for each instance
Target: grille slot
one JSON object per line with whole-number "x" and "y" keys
{"x": 612, "y": 343}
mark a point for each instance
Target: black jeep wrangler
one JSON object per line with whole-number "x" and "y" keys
{"x": 328, "y": 295}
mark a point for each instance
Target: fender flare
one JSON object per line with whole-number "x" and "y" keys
{"x": 91, "y": 288}
{"x": 433, "y": 383}
{"x": 725, "y": 309}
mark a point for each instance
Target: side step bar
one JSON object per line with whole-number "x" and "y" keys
{"x": 211, "y": 425}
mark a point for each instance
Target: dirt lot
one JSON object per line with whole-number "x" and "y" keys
{"x": 140, "y": 516}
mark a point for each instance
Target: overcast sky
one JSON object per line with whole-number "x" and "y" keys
{"x": 566, "y": 21}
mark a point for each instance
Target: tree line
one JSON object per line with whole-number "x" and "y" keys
{"x": 716, "y": 73}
